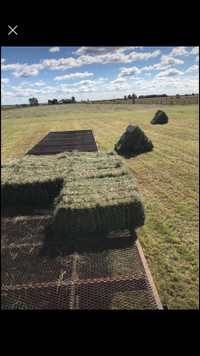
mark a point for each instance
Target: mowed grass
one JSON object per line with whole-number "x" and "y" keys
{"x": 167, "y": 178}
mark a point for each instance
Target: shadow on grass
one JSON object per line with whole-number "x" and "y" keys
{"x": 132, "y": 154}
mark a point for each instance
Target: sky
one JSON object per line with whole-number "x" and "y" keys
{"x": 96, "y": 73}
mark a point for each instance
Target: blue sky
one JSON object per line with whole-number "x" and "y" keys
{"x": 96, "y": 73}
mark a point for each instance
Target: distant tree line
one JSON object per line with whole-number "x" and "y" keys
{"x": 130, "y": 96}
{"x": 62, "y": 101}
{"x": 162, "y": 95}
{"x": 53, "y": 102}
{"x": 153, "y": 96}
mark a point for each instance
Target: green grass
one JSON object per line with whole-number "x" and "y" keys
{"x": 167, "y": 178}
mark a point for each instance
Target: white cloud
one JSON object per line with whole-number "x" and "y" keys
{"x": 195, "y": 50}
{"x": 59, "y": 64}
{"x": 89, "y": 85}
{"x": 4, "y": 80}
{"x": 2, "y": 60}
{"x": 24, "y": 82}
{"x": 101, "y": 50}
{"x": 166, "y": 62}
{"x": 182, "y": 51}
{"x": 18, "y": 91}
{"x": 169, "y": 73}
{"x": 168, "y": 85}
{"x": 54, "y": 49}
{"x": 86, "y": 86}
{"x": 179, "y": 51}
{"x": 49, "y": 90}
{"x": 117, "y": 56}
{"x": 87, "y": 89}
{"x": 135, "y": 56}
{"x": 119, "y": 80}
{"x": 194, "y": 68}
{"x": 28, "y": 72}
{"x": 127, "y": 81}
{"x": 14, "y": 66}
{"x": 129, "y": 72}
{"x": 169, "y": 60}
{"x": 74, "y": 76}
{"x": 86, "y": 82}
{"x": 37, "y": 84}
{"x": 155, "y": 66}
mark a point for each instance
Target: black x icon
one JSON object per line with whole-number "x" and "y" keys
{"x": 12, "y": 30}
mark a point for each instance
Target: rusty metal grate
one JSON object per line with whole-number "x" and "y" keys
{"x": 57, "y": 142}
{"x": 39, "y": 273}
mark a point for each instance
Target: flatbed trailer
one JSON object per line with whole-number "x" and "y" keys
{"x": 102, "y": 272}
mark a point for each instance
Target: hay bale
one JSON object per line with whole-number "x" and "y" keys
{"x": 91, "y": 192}
{"x": 133, "y": 141}
{"x": 29, "y": 180}
{"x": 160, "y": 118}
{"x": 98, "y": 205}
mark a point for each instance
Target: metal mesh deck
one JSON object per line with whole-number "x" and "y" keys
{"x": 57, "y": 142}
{"x": 39, "y": 273}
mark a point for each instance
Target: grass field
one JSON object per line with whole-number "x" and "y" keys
{"x": 167, "y": 178}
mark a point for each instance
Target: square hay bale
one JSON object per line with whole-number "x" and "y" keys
{"x": 98, "y": 205}
{"x": 91, "y": 192}
{"x": 29, "y": 181}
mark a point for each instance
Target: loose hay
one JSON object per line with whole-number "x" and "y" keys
{"x": 92, "y": 192}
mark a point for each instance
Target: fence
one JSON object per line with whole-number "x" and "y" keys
{"x": 185, "y": 100}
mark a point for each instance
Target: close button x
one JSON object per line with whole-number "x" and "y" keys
{"x": 12, "y": 30}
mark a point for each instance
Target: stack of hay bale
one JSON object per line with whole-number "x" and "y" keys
{"x": 95, "y": 191}
{"x": 160, "y": 118}
{"x": 133, "y": 141}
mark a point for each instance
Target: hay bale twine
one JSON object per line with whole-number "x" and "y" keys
{"x": 133, "y": 141}
{"x": 160, "y": 118}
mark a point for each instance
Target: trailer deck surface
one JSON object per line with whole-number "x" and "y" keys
{"x": 57, "y": 142}
{"x": 39, "y": 272}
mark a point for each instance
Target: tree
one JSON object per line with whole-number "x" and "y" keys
{"x": 134, "y": 96}
{"x": 54, "y": 101}
{"x": 33, "y": 102}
